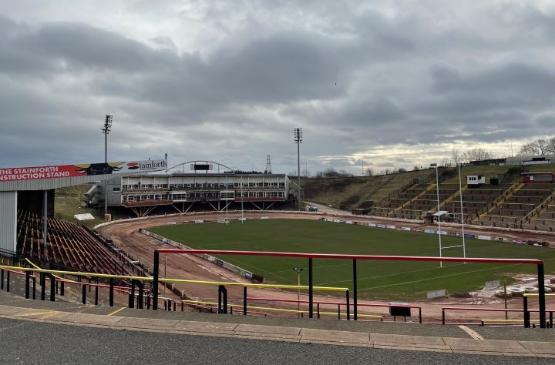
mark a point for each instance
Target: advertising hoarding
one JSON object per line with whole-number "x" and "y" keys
{"x": 89, "y": 169}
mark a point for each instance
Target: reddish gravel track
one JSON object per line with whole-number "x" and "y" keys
{"x": 125, "y": 235}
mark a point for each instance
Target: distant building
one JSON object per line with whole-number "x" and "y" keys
{"x": 473, "y": 181}
{"x": 537, "y": 177}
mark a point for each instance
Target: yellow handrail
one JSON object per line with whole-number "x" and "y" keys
{"x": 275, "y": 309}
{"x": 171, "y": 280}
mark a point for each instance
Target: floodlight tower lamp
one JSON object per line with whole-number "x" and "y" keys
{"x": 106, "y": 129}
{"x": 298, "y": 138}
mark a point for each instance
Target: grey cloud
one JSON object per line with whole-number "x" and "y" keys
{"x": 353, "y": 78}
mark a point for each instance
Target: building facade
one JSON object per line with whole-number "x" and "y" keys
{"x": 184, "y": 189}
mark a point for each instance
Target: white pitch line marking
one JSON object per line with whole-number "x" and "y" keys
{"x": 475, "y": 335}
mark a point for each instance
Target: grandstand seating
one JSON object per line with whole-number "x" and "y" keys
{"x": 512, "y": 211}
{"x": 69, "y": 246}
{"x": 425, "y": 201}
{"x": 396, "y": 200}
{"x": 543, "y": 216}
{"x": 511, "y": 204}
{"x": 475, "y": 201}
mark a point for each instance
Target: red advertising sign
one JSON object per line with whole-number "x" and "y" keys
{"x": 40, "y": 172}
{"x": 63, "y": 171}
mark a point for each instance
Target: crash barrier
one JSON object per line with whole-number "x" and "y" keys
{"x": 525, "y": 320}
{"x": 354, "y": 258}
{"x": 395, "y": 309}
{"x": 526, "y": 312}
{"x": 139, "y": 296}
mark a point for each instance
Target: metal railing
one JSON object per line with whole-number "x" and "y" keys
{"x": 354, "y": 258}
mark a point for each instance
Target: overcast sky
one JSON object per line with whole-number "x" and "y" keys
{"x": 393, "y": 83}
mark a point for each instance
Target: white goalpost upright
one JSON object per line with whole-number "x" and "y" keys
{"x": 439, "y": 213}
{"x": 438, "y": 216}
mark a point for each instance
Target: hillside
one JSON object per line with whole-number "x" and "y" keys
{"x": 69, "y": 201}
{"x": 356, "y": 191}
{"x": 351, "y": 192}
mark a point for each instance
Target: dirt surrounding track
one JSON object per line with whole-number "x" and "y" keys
{"x": 126, "y": 235}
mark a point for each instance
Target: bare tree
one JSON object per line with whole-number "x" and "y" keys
{"x": 476, "y": 154}
{"x": 539, "y": 147}
{"x": 528, "y": 149}
{"x": 551, "y": 146}
{"x": 369, "y": 172}
{"x": 456, "y": 155}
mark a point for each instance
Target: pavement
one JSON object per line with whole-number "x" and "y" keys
{"x": 46, "y": 343}
{"x": 65, "y": 332}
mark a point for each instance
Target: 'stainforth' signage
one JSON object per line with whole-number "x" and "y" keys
{"x": 90, "y": 169}
{"x": 41, "y": 172}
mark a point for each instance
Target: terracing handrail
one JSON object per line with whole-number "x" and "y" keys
{"x": 311, "y": 255}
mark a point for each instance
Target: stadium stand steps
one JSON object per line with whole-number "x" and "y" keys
{"x": 69, "y": 246}
{"x": 512, "y": 209}
{"x": 542, "y": 217}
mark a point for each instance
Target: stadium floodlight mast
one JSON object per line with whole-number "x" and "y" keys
{"x": 434, "y": 165}
{"x": 298, "y": 137}
{"x": 106, "y": 130}
{"x": 462, "y": 212}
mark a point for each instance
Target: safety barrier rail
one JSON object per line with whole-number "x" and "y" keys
{"x": 354, "y": 258}
{"x": 57, "y": 281}
{"x": 391, "y": 307}
{"x": 526, "y": 311}
{"x": 525, "y": 314}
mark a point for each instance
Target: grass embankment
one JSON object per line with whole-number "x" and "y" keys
{"x": 69, "y": 201}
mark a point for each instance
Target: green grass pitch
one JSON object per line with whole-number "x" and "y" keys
{"x": 377, "y": 279}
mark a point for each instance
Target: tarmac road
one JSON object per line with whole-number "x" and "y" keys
{"x": 25, "y": 342}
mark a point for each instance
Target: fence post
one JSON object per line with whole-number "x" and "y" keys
{"x": 318, "y": 310}
{"x": 2, "y": 279}
{"x": 52, "y": 287}
{"x": 355, "y": 291}
{"x": 244, "y": 300}
{"x": 525, "y": 312}
{"x": 27, "y": 277}
{"x": 84, "y": 293}
{"x": 347, "y": 304}
{"x": 62, "y": 288}
{"x": 111, "y": 293}
{"x": 310, "y": 290}
{"x": 34, "y": 287}
{"x": 42, "y": 286}
{"x": 442, "y": 315}
{"x": 141, "y": 297}
{"x": 222, "y": 299}
{"x": 96, "y": 293}
{"x": 225, "y": 300}
{"x": 132, "y": 295}
{"x": 8, "y": 281}
{"x": 541, "y": 294}
{"x": 420, "y": 315}
{"x": 155, "y": 275}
